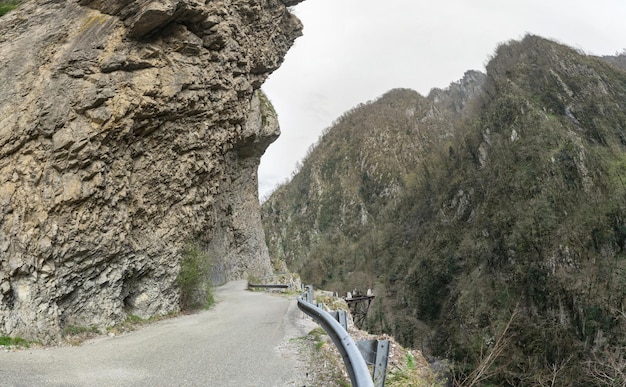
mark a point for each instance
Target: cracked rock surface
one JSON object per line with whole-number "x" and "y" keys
{"x": 128, "y": 129}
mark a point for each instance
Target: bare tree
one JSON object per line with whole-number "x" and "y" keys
{"x": 485, "y": 369}
{"x": 608, "y": 367}
{"x": 610, "y": 370}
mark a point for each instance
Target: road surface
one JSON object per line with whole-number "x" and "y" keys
{"x": 242, "y": 341}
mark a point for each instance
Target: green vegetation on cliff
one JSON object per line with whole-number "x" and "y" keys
{"x": 477, "y": 214}
{"x": 194, "y": 278}
{"x": 6, "y": 6}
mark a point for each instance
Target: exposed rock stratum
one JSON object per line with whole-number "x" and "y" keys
{"x": 128, "y": 129}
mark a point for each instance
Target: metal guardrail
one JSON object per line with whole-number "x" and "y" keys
{"x": 356, "y": 356}
{"x": 355, "y": 364}
{"x": 268, "y": 286}
{"x": 376, "y": 353}
{"x": 341, "y": 316}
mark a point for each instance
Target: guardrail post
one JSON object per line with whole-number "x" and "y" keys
{"x": 340, "y": 315}
{"x": 376, "y": 353}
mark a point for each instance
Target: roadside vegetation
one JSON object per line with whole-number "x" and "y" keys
{"x": 409, "y": 374}
{"x": 7, "y": 6}
{"x": 15, "y": 342}
{"x": 194, "y": 279}
{"x": 75, "y": 334}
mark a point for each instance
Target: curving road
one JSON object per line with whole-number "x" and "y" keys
{"x": 242, "y": 341}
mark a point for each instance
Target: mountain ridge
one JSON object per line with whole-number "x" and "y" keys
{"x": 507, "y": 213}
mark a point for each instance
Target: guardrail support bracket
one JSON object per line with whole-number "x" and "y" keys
{"x": 376, "y": 353}
{"x": 340, "y": 315}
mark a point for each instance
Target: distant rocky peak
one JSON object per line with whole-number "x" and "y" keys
{"x": 616, "y": 60}
{"x": 456, "y": 96}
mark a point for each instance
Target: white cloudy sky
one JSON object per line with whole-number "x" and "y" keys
{"x": 353, "y": 51}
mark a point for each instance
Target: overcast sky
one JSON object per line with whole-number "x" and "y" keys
{"x": 353, "y": 51}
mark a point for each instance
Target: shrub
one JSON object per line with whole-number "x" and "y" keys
{"x": 77, "y": 334}
{"x": 7, "y": 341}
{"x": 194, "y": 279}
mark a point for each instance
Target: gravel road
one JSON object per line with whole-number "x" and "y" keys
{"x": 242, "y": 341}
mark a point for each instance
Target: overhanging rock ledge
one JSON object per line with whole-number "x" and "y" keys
{"x": 128, "y": 129}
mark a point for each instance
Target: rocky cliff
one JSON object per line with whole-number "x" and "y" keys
{"x": 127, "y": 130}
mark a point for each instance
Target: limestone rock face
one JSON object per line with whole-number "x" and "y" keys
{"x": 128, "y": 129}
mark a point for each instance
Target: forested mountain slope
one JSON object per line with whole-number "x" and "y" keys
{"x": 485, "y": 219}
{"x": 356, "y": 168}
